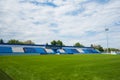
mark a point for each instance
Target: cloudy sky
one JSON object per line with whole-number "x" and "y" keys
{"x": 71, "y": 21}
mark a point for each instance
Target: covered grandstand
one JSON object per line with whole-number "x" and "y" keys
{"x": 44, "y": 49}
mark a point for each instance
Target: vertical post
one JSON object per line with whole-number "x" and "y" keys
{"x": 107, "y": 39}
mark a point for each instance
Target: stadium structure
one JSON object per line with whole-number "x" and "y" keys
{"x": 44, "y": 49}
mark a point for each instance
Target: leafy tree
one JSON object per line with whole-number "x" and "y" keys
{"x": 98, "y": 47}
{"x": 53, "y": 43}
{"x": 13, "y": 41}
{"x": 112, "y": 49}
{"x": 59, "y": 43}
{"x": 78, "y": 45}
{"x": 1, "y": 41}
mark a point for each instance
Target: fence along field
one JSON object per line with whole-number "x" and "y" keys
{"x": 61, "y": 67}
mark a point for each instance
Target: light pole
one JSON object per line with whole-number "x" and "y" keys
{"x": 106, "y": 30}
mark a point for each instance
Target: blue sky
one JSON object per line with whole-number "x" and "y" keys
{"x": 71, "y": 21}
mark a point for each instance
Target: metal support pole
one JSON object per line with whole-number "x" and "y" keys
{"x": 107, "y": 39}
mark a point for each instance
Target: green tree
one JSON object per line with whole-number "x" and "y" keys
{"x": 59, "y": 43}
{"x": 112, "y": 49}
{"x": 78, "y": 45}
{"x": 1, "y": 41}
{"x": 98, "y": 47}
{"x": 13, "y": 41}
{"x": 53, "y": 43}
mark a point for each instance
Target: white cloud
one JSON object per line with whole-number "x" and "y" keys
{"x": 29, "y": 21}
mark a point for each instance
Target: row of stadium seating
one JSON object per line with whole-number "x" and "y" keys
{"x": 39, "y": 50}
{"x": 34, "y": 50}
{"x": 5, "y": 50}
{"x": 87, "y": 50}
{"x": 71, "y": 51}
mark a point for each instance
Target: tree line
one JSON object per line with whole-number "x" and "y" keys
{"x": 58, "y": 43}
{"x": 14, "y": 41}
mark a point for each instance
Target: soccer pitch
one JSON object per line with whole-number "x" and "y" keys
{"x": 60, "y": 67}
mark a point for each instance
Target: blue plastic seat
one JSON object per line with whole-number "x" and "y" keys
{"x": 5, "y": 49}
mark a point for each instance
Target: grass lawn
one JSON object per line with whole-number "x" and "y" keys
{"x": 60, "y": 67}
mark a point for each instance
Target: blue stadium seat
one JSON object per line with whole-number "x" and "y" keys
{"x": 75, "y": 51}
{"x": 87, "y": 50}
{"x": 40, "y": 50}
{"x": 55, "y": 51}
{"x": 95, "y": 51}
{"x": 71, "y": 51}
{"x": 34, "y": 50}
{"x": 29, "y": 50}
{"x": 90, "y": 50}
{"x": 5, "y": 49}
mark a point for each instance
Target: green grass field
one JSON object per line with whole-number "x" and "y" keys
{"x": 60, "y": 67}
